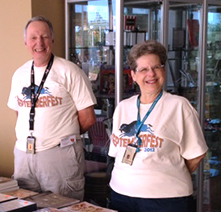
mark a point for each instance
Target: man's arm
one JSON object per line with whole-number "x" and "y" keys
{"x": 194, "y": 163}
{"x": 86, "y": 118}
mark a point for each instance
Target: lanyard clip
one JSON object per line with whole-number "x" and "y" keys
{"x": 31, "y": 132}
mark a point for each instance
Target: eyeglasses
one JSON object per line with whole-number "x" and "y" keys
{"x": 147, "y": 70}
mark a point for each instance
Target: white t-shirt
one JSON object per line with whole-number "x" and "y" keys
{"x": 170, "y": 134}
{"x": 66, "y": 91}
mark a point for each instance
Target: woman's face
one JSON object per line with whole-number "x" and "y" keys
{"x": 149, "y": 75}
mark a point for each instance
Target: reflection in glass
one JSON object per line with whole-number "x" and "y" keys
{"x": 212, "y": 166}
{"x": 183, "y": 52}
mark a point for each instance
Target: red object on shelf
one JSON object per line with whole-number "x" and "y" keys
{"x": 193, "y": 30}
{"x": 107, "y": 81}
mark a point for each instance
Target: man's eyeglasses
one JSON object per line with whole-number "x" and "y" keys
{"x": 147, "y": 70}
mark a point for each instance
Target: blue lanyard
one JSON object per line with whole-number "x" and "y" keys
{"x": 139, "y": 122}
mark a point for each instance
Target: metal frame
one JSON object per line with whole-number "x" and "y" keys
{"x": 201, "y": 105}
{"x": 119, "y": 51}
{"x": 67, "y": 24}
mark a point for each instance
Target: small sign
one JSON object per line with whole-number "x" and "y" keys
{"x": 130, "y": 22}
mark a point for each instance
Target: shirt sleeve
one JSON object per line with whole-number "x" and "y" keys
{"x": 81, "y": 90}
{"x": 12, "y": 101}
{"x": 193, "y": 142}
{"x": 113, "y": 149}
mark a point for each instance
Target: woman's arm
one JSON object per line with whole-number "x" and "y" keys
{"x": 194, "y": 163}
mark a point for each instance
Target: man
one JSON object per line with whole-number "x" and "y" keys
{"x": 54, "y": 102}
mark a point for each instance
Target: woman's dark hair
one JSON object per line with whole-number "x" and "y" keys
{"x": 145, "y": 48}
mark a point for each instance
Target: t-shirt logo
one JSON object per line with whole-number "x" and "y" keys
{"x": 26, "y": 91}
{"x": 150, "y": 141}
{"x": 46, "y": 99}
{"x": 131, "y": 129}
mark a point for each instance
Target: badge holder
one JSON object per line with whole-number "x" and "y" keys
{"x": 129, "y": 154}
{"x": 31, "y": 140}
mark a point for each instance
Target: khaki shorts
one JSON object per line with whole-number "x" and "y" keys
{"x": 59, "y": 170}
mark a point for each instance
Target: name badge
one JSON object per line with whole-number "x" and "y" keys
{"x": 129, "y": 154}
{"x": 31, "y": 141}
{"x": 67, "y": 141}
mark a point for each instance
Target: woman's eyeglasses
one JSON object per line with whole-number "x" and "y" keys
{"x": 147, "y": 70}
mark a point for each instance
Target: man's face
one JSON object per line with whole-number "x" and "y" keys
{"x": 39, "y": 42}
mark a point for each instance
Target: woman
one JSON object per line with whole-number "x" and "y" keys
{"x": 157, "y": 141}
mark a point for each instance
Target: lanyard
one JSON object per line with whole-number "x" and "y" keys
{"x": 34, "y": 97}
{"x": 139, "y": 122}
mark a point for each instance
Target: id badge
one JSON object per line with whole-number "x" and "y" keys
{"x": 129, "y": 154}
{"x": 68, "y": 140}
{"x": 30, "y": 149}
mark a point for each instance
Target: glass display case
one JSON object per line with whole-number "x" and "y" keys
{"x": 212, "y": 127}
{"x": 192, "y": 36}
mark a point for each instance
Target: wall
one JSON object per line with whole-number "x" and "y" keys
{"x": 13, "y": 17}
{"x": 13, "y": 54}
{"x": 54, "y": 11}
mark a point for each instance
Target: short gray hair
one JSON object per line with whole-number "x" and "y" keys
{"x": 145, "y": 48}
{"x": 39, "y": 18}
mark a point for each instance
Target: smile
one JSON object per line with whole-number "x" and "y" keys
{"x": 39, "y": 50}
{"x": 151, "y": 81}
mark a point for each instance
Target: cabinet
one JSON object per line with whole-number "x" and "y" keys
{"x": 193, "y": 68}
